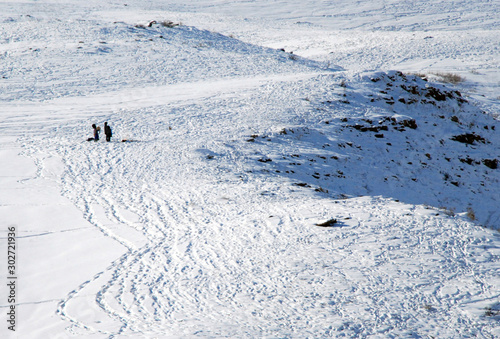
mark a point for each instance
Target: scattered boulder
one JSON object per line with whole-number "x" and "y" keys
{"x": 328, "y": 223}
{"x": 410, "y": 123}
{"x": 436, "y": 94}
{"x": 491, "y": 163}
{"x": 468, "y": 138}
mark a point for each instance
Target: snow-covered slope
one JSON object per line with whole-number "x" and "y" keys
{"x": 249, "y": 191}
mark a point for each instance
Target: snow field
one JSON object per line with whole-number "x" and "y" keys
{"x": 203, "y": 246}
{"x": 204, "y": 222}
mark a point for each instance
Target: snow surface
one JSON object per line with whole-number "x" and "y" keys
{"x": 245, "y": 127}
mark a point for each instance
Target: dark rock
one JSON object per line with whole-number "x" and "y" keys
{"x": 411, "y": 123}
{"x": 468, "y": 138}
{"x": 328, "y": 223}
{"x": 491, "y": 163}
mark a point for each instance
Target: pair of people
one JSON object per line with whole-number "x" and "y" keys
{"x": 97, "y": 129}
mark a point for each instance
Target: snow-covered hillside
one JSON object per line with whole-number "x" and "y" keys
{"x": 277, "y": 169}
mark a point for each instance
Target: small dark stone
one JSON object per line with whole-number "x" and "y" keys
{"x": 468, "y": 138}
{"x": 491, "y": 163}
{"x": 328, "y": 223}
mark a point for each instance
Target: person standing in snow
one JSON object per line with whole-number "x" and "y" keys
{"x": 96, "y": 133}
{"x": 107, "y": 131}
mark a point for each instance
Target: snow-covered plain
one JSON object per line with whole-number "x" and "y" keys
{"x": 246, "y": 126}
